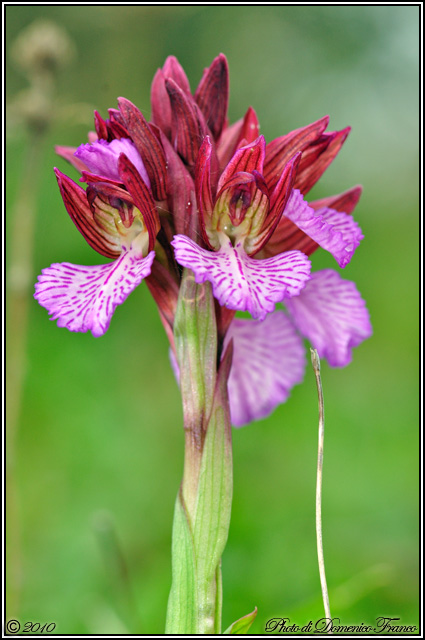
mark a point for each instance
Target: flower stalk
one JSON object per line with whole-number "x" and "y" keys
{"x": 203, "y": 505}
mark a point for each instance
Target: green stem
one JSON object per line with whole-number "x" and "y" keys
{"x": 20, "y": 278}
{"x": 19, "y": 281}
{"x": 202, "y": 514}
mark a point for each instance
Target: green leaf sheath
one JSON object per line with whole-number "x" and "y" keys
{"x": 182, "y": 602}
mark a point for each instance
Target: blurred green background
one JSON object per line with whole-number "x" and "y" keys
{"x": 99, "y": 450}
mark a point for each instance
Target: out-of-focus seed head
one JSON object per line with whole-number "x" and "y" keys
{"x": 43, "y": 47}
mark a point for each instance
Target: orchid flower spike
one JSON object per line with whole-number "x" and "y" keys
{"x": 188, "y": 189}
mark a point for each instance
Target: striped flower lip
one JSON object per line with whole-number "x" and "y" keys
{"x": 117, "y": 217}
{"x": 85, "y": 298}
{"x": 240, "y": 282}
{"x": 268, "y": 361}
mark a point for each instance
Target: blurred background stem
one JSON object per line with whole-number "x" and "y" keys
{"x": 19, "y": 283}
{"x": 39, "y": 51}
{"x": 23, "y": 223}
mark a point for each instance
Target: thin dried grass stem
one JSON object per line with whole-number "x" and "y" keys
{"x": 316, "y": 366}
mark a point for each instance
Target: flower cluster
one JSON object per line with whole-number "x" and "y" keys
{"x": 189, "y": 190}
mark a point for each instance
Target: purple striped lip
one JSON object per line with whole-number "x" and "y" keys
{"x": 84, "y": 298}
{"x": 240, "y": 282}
